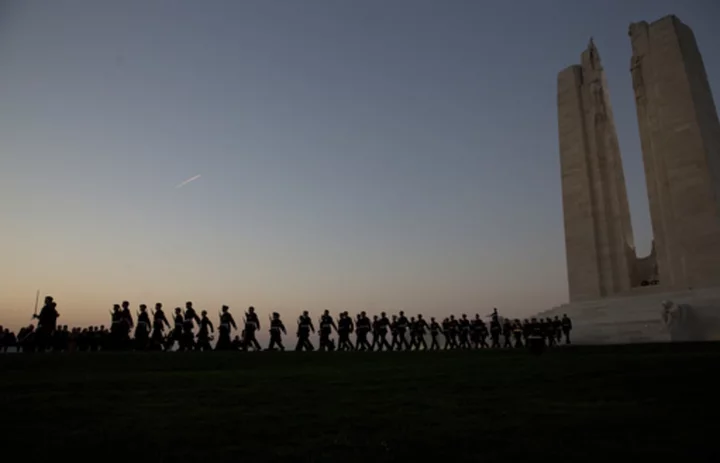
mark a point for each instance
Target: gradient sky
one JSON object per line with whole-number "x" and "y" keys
{"x": 354, "y": 154}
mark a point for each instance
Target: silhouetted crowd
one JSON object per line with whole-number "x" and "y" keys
{"x": 152, "y": 330}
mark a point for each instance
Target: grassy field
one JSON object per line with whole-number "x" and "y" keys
{"x": 582, "y": 403}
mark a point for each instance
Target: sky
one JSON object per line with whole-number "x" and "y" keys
{"x": 352, "y": 154}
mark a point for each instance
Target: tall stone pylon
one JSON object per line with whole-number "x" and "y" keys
{"x": 598, "y": 232}
{"x": 680, "y": 138}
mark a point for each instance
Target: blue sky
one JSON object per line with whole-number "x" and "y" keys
{"x": 374, "y": 154}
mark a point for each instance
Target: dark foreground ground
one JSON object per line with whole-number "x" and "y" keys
{"x": 573, "y": 404}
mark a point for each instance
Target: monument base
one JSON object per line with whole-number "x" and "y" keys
{"x": 637, "y": 317}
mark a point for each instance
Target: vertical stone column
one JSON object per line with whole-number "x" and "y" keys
{"x": 598, "y": 231}
{"x": 680, "y": 138}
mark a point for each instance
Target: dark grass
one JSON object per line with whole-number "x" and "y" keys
{"x": 580, "y": 404}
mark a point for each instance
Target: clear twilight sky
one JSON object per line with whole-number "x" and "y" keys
{"x": 353, "y": 154}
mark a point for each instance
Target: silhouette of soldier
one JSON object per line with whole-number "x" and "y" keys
{"x": 190, "y": 317}
{"x": 176, "y": 335}
{"x": 435, "y": 329}
{"x": 375, "y": 330}
{"x": 26, "y": 339}
{"x": 475, "y": 331}
{"x": 495, "y": 331}
{"x": 464, "y": 330}
{"x": 305, "y": 327}
{"x": 446, "y": 332}
{"x": 527, "y": 330}
{"x": 535, "y": 341}
{"x": 507, "y": 332}
{"x": 203, "y": 336}
{"x": 118, "y": 328}
{"x": 277, "y": 329}
{"x": 550, "y": 332}
{"x": 142, "y": 330}
{"x": 402, "y": 327}
{"x": 495, "y": 317}
{"x": 326, "y": 326}
{"x": 128, "y": 322}
{"x": 518, "y": 333}
{"x": 395, "y": 343}
{"x": 383, "y": 327}
{"x": 557, "y": 329}
{"x": 47, "y": 324}
{"x": 159, "y": 323}
{"x": 412, "y": 329}
{"x": 252, "y": 324}
{"x": 420, "y": 327}
{"x": 345, "y": 327}
{"x": 227, "y": 323}
{"x": 454, "y": 331}
{"x": 363, "y": 328}
{"x": 566, "y": 327}
{"x": 9, "y": 340}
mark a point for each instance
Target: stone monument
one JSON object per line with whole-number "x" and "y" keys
{"x": 598, "y": 232}
{"x": 610, "y": 300}
{"x": 680, "y": 136}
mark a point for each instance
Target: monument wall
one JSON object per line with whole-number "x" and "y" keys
{"x": 680, "y": 137}
{"x": 598, "y": 233}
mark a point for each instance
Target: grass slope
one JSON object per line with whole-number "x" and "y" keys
{"x": 582, "y": 403}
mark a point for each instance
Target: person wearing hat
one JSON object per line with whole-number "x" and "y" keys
{"x": 305, "y": 326}
{"x": 277, "y": 329}
{"x": 142, "y": 329}
{"x": 227, "y": 322}
{"x": 203, "y": 336}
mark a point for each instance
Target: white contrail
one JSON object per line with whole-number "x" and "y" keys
{"x": 191, "y": 179}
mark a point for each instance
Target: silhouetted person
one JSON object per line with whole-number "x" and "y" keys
{"x": 402, "y": 327}
{"x": 435, "y": 330}
{"x": 535, "y": 341}
{"x": 118, "y": 328}
{"x": 527, "y": 330}
{"x": 305, "y": 327}
{"x": 557, "y": 329}
{"x": 454, "y": 331}
{"x": 176, "y": 335}
{"x": 446, "y": 332}
{"x": 383, "y": 328}
{"x": 47, "y": 323}
{"x": 142, "y": 330}
{"x": 464, "y": 332}
{"x": 495, "y": 331}
{"x": 252, "y": 324}
{"x": 566, "y": 327}
{"x": 128, "y": 322}
{"x": 326, "y": 326}
{"x": 190, "y": 317}
{"x": 277, "y": 329}
{"x": 159, "y": 323}
{"x": 507, "y": 333}
{"x": 475, "y": 331}
{"x": 395, "y": 342}
{"x": 517, "y": 330}
{"x": 420, "y": 329}
{"x": 9, "y": 340}
{"x": 345, "y": 327}
{"x": 363, "y": 328}
{"x": 203, "y": 336}
{"x": 26, "y": 339}
{"x": 550, "y": 332}
{"x": 227, "y": 323}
